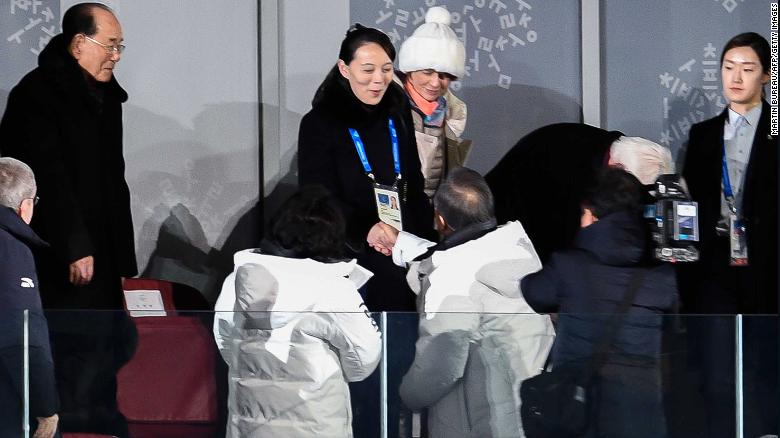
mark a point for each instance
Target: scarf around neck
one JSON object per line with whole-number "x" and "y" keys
{"x": 434, "y": 111}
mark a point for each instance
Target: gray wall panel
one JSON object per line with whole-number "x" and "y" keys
{"x": 661, "y": 62}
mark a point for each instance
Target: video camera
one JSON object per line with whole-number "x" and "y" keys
{"x": 673, "y": 220}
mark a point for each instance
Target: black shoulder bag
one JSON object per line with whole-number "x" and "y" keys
{"x": 556, "y": 404}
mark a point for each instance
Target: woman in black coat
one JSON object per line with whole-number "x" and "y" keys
{"x": 359, "y": 94}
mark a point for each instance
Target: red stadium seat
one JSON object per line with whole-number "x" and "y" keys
{"x": 168, "y": 389}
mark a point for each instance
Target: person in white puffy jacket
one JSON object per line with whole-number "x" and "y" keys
{"x": 479, "y": 338}
{"x": 293, "y": 328}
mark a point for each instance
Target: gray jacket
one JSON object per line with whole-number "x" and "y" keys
{"x": 478, "y": 337}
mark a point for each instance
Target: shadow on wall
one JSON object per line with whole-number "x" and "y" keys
{"x": 497, "y": 118}
{"x": 179, "y": 253}
{"x": 285, "y": 187}
{"x": 682, "y": 115}
{"x": 3, "y": 100}
{"x": 195, "y": 200}
{"x": 281, "y": 174}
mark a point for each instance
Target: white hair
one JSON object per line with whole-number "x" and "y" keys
{"x": 641, "y": 157}
{"x": 17, "y": 182}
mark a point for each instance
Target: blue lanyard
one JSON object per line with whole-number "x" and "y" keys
{"x": 361, "y": 150}
{"x": 728, "y": 193}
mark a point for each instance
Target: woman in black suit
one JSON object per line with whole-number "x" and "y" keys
{"x": 731, "y": 171}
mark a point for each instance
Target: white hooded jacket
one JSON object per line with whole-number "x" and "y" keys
{"x": 478, "y": 338}
{"x": 293, "y": 333}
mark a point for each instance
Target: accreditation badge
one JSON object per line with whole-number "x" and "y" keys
{"x": 388, "y": 205}
{"x": 738, "y": 241}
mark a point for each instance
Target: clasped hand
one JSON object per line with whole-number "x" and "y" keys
{"x": 382, "y": 238}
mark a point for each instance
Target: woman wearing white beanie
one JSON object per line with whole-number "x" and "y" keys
{"x": 429, "y": 60}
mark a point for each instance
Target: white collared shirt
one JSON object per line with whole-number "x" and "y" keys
{"x": 738, "y": 143}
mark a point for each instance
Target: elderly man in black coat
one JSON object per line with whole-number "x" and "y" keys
{"x": 543, "y": 179}
{"x": 19, "y": 293}
{"x": 64, "y": 119}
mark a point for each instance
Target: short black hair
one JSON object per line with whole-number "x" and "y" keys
{"x": 79, "y": 18}
{"x": 753, "y": 40}
{"x": 464, "y": 198}
{"x": 310, "y": 224}
{"x": 358, "y": 36}
{"x": 615, "y": 191}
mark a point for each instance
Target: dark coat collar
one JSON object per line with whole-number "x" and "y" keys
{"x": 15, "y": 226}
{"x": 60, "y": 65}
{"x": 461, "y": 236}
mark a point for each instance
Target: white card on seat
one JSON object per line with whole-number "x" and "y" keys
{"x": 144, "y": 303}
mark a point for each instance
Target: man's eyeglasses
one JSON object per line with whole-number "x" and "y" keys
{"x": 110, "y": 49}
{"x": 34, "y": 200}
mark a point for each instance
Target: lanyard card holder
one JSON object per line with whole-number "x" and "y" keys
{"x": 737, "y": 241}
{"x": 388, "y": 205}
{"x": 738, "y": 250}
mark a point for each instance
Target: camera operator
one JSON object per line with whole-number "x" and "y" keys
{"x": 586, "y": 284}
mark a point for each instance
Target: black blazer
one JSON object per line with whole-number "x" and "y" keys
{"x": 702, "y": 171}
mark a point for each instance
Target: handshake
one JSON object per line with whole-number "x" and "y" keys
{"x": 382, "y": 238}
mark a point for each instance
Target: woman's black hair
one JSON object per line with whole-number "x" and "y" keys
{"x": 358, "y": 36}
{"x": 753, "y": 40}
{"x": 310, "y": 225}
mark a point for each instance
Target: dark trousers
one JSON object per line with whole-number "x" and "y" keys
{"x": 91, "y": 339}
{"x": 86, "y": 363}
{"x": 386, "y": 291}
{"x": 713, "y": 344}
{"x": 620, "y": 394}
{"x": 11, "y": 387}
{"x": 401, "y": 335}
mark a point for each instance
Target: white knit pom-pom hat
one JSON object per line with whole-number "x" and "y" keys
{"x": 433, "y": 45}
